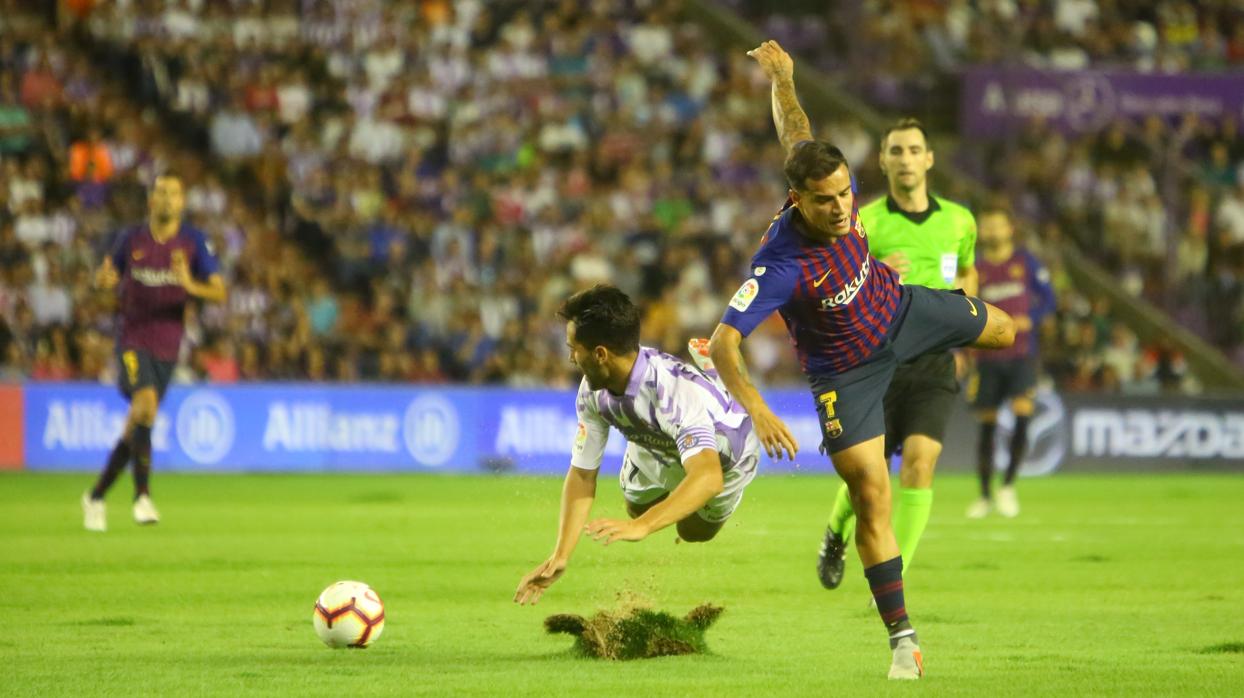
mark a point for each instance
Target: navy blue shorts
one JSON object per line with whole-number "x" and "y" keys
{"x": 851, "y": 405}
{"x": 995, "y": 382}
{"x": 140, "y": 370}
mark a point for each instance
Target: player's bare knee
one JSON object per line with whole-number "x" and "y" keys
{"x": 871, "y": 499}
{"x": 143, "y": 408}
{"x": 918, "y": 471}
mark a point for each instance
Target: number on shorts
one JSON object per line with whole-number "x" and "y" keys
{"x": 130, "y": 359}
{"x": 827, "y": 401}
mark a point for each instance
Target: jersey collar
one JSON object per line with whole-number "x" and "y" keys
{"x": 917, "y": 218}
{"x": 637, "y": 373}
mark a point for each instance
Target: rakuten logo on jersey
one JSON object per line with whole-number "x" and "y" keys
{"x": 1138, "y": 433}
{"x": 848, "y": 292}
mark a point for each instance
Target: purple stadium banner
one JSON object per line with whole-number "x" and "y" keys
{"x": 995, "y": 101}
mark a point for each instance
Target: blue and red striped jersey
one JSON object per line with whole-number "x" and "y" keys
{"x": 837, "y": 300}
{"x": 1020, "y": 285}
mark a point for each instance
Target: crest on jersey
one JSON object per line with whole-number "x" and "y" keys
{"x": 833, "y": 428}
{"x": 688, "y": 441}
{"x": 1016, "y": 271}
{"x": 580, "y": 438}
{"x": 745, "y": 295}
{"x": 138, "y": 254}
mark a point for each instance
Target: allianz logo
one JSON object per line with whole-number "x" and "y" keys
{"x": 533, "y": 431}
{"x": 89, "y": 425}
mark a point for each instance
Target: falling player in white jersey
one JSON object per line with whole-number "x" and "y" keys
{"x": 690, "y": 447}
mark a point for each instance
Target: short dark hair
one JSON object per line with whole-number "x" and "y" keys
{"x": 812, "y": 160}
{"x": 905, "y": 124}
{"x": 603, "y": 316}
{"x": 996, "y": 208}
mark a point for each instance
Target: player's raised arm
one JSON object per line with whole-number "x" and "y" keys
{"x": 725, "y": 349}
{"x": 789, "y": 118}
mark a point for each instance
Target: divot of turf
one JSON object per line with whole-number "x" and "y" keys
{"x": 637, "y": 633}
{"x": 1225, "y": 648}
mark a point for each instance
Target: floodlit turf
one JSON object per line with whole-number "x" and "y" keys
{"x": 1105, "y": 586}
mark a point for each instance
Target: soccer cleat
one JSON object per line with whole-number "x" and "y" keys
{"x": 979, "y": 509}
{"x": 1008, "y": 502}
{"x": 831, "y": 560}
{"x": 145, "y": 512}
{"x": 907, "y": 663}
{"x": 699, "y": 353}
{"x": 94, "y": 517}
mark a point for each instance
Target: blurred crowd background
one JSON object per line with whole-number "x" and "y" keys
{"x": 406, "y": 190}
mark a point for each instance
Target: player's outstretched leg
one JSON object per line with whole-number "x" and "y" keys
{"x": 915, "y": 496}
{"x": 93, "y": 511}
{"x": 980, "y": 508}
{"x": 863, "y": 468}
{"x": 143, "y": 413}
{"x": 1008, "y": 500}
{"x": 831, "y": 561}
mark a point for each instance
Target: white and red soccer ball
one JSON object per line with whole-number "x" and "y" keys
{"x": 348, "y": 614}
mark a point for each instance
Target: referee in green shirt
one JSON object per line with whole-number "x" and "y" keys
{"x": 929, "y": 241}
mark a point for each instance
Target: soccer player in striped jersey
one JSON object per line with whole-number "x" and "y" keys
{"x": 1016, "y": 281}
{"x": 852, "y": 323}
{"x": 690, "y": 447}
{"x": 930, "y": 241}
{"x": 158, "y": 267}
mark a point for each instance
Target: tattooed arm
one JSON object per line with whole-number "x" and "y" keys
{"x": 789, "y": 118}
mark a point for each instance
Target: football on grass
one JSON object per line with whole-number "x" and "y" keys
{"x": 348, "y": 614}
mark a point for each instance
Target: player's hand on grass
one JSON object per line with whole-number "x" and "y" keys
{"x": 773, "y": 434}
{"x": 774, "y": 60}
{"x": 532, "y": 587}
{"x": 106, "y": 277}
{"x": 609, "y": 530}
{"x": 899, "y": 263}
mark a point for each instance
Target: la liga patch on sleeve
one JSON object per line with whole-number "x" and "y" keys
{"x": 745, "y": 295}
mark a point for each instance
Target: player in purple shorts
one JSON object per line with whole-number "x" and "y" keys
{"x": 852, "y": 324}
{"x": 156, "y": 268}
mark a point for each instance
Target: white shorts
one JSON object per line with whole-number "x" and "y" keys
{"x": 639, "y": 489}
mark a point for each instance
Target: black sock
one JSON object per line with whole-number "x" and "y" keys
{"x": 984, "y": 457}
{"x": 1019, "y": 443}
{"x": 117, "y": 460}
{"x": 886, "y": 582}
{"x": 142, "y": 460}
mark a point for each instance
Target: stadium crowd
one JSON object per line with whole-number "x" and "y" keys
{"x": 404, "y": 191}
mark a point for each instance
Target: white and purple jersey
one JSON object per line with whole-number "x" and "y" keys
{"x": 669, "y": 413}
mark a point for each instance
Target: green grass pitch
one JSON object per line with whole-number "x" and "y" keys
{"x": 1123, "y": 585}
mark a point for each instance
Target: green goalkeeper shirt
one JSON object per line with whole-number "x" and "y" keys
{"x": 937, "y": 242}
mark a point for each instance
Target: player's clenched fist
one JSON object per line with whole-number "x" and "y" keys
{"x": 774, "y": 60}
{"x": 106, "y": 276}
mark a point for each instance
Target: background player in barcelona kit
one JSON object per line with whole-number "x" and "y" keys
{"x": 852, "y": 323}
{"x": 690, "y": 448}
{"x": 158, "y": 267}
{"x": 1016, "y": 281}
